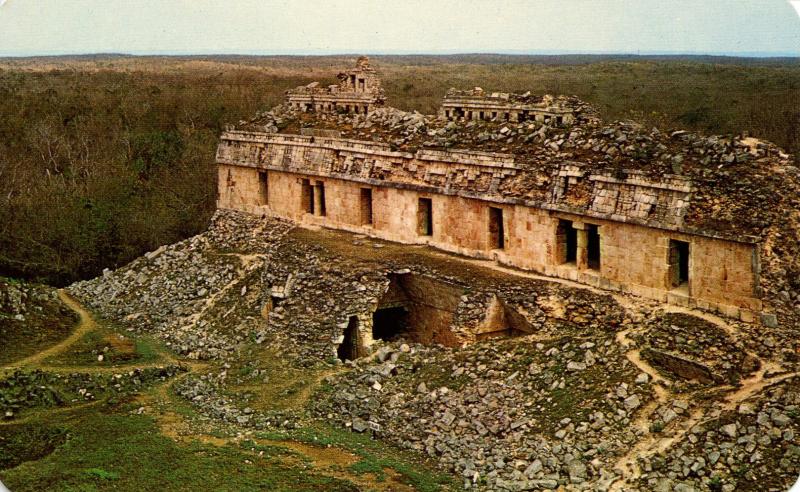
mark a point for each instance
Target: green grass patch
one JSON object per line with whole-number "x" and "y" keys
{"x": 127, "y": 452}
{"x": 110, "y": 342}
{"x": 26, "y": 442}
{"x": 102, "y": 474}
{"x": 369, "y": 466}
{"x": 375, "y": 456}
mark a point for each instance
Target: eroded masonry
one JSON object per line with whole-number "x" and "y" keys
{"x": 561, "y": 209}
{"x": 358, "y": 91}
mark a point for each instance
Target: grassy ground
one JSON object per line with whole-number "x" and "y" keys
{"x": 118, "y": 451}
{"x": 44, "y": 324}
{"x": 154, "y": 440}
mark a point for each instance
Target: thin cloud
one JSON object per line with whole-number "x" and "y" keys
{"x": 795, "y": 4}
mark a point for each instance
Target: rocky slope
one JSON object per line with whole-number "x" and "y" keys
{"x": 600, "y": 392}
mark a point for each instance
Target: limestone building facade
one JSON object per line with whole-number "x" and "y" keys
{"x": 451, "y": 200}
{"x": 612, "y": 228}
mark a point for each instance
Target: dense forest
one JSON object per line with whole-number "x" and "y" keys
{"x": 105, "y": 158}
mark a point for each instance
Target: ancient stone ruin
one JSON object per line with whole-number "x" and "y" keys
{"x": 359, "y": 91}
{"x": 536, "y": 183}
{"x": 476, "y": 104}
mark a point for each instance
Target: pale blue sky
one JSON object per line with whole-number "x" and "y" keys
{"x": 30, "y": 27}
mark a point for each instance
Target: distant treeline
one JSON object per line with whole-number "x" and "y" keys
{"x": 105, "y": 158}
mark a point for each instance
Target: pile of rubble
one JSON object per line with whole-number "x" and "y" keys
{"x": 694, "y": 352}
{"x": 752, "y": 448}
{"x": 28, "y": 389}
{"x": 314, "y": 291}
{"x": 167, "y": 292}
{"x": 511, "y": 415}
{"x": 20, "y": 301}
{"x": 206, "y": 392}
{"x": 596, "y": 381}
{"x": 31, "y": 317}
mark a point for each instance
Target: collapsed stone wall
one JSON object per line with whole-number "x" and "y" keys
{"x": 314, "y": 291}
{"x": 167, "y": 292}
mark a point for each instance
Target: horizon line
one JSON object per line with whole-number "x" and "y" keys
{"x": 289, "y": 53}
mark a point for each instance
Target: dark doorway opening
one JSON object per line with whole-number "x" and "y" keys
{"x": 321, "y": 199}
{"x": 348, "y": 349}
{"x": 593, "y": 246}
{"x": 307, "y": 196}
{"x": 389, "y": 323}
{"x": 679, "y": 262}
{"x": 496, "y": 231}
{"x": 568, "y": 241}
{"x": 366, "y": 206}
{"x": 425, "y": 217}
{"x": 263, "y": 188}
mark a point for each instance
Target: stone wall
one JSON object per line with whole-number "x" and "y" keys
{"x": 359, "y": 91}
{"x": 723, "y": 274}
{"x": 617, "y": 195}
{"x": 478, "y": 105}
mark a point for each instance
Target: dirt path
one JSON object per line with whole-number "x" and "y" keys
{"x": 651, "y": 443}
{"x": 330, "y": 461}
{"x": 755, "y": 384}
{"x": 85, "y": 324}
{"x": 493, "y": 265}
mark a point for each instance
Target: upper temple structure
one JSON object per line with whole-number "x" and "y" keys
{"x": 537, "y": 183}
{"x": 359, "y": 91}
{"x": 502, "y": 106}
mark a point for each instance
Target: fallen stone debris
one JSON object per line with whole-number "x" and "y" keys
{"x": 573, "y": 397}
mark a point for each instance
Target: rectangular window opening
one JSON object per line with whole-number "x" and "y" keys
{"x": 366, "y": 206}
{"x": 425, "y": 217}
{"x": 593, "y": 246}
{"x": 320, "y": 199}
{"x": 263, "y": 188}
{"x": 496, "y": 231}
{"x": 307, "y": 196}
{"x": 679, "y": 263}
{"x": 567, "y": 238}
